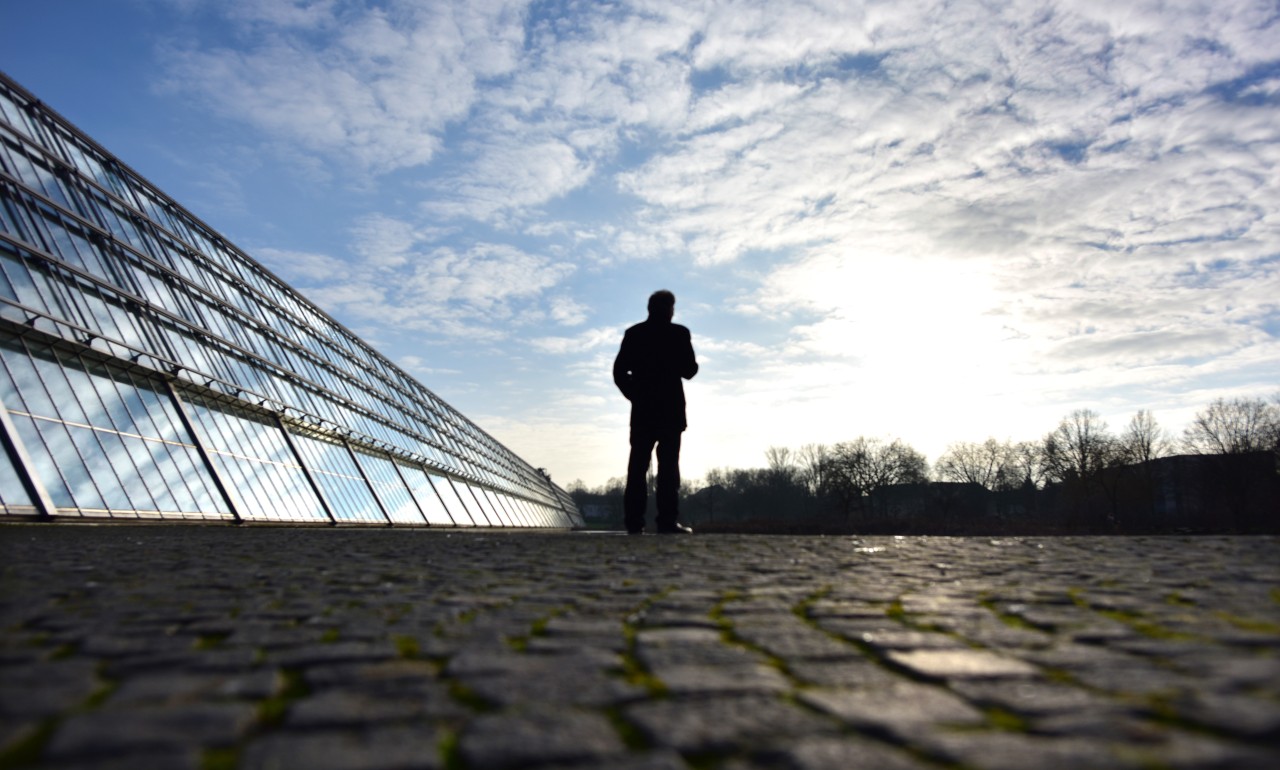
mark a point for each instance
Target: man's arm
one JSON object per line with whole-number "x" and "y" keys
{"x": 622, "y": 369}
{"x": 688, "y": 362}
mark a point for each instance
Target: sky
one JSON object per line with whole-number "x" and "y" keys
{"x": 915, "y": 220}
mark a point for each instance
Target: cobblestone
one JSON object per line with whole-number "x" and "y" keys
{"x": 223, "y": 647}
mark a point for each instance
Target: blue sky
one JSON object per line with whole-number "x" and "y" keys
{"x": 933, "y": 221}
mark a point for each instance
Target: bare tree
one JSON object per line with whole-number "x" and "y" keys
{"x": 990, "y": 464}
{"x": 909, "y": 465}
{"x": 1027, "y": 464}
{"x": 1143, "y": 439}
{"x": 865, "y": 464}
{"x": 1078, "y": 448}
{"x": 781, "y": 467}
{"x": 1231, "y": 427}
{"x": 814, "y": 461}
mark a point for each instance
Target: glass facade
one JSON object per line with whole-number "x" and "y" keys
{"x": 150, "y": 369}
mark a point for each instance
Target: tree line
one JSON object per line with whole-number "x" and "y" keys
{"x": 1220, "y": 475}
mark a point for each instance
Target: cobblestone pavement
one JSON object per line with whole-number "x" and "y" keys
{"x": 222, "y": 647}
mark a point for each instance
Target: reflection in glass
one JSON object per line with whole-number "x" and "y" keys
{"x": 461, "y": 515}
{"x": 387, "y": 484}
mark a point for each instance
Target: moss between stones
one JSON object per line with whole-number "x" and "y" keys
{"x": 1013, "y": 621}
{"x": 633, "y": 671}
{"x": 467, "y": 697}
{"x": 406, "y": 646}
{"x": 210, "y": 641}
{"x": 1249, "y": 624}
{"x": 271, "y": 711}
{"x": 26, "y": 751}
{"x": 632, "y": 737}
{"x": 1135, "y": 620}
{"x": 220, "y": 759}
{"x": 450, "y": 751}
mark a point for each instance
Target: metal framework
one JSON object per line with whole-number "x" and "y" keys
{"x": 150, "y": 369}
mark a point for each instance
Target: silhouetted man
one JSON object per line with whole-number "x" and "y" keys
{"x": 655, "y": 355}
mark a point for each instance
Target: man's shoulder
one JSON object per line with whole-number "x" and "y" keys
{"x": 656, "y": 331}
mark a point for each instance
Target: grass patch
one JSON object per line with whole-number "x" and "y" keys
{"x": 1144, "y": 626}
{"x": 729, "y": 635}
{"x": 271, "y": 711}
{"x": 26, "y": 751}
{"x": 467, "y": 697}
{"x": 895, "y": 611}
{"x": 450, "y": 748}
{"x": 210, "y": 641}
{"x": 406, "y": 646}
{"x": 100, "y": 695}
{"x": 220, "y": 759}
{"x": 1249, "y": 624}
{"x": 1005, "y": 720}
{"x": 62, "y": 652}
{"x": 633, "y": 672}
{"x": 632, "y": 737}
{"x": 1134, "y": 620}
{"x": 329, "y": 636}
{"x": 396, "y": 612}
{"x": 802, "y": 608}
{"x": 1011, "y": 620}
{"x": 536, "y": 629}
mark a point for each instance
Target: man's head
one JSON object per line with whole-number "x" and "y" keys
{"x": 662, "y": 305}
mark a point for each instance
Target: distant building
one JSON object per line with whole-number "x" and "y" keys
{"x": 149, "y": 369}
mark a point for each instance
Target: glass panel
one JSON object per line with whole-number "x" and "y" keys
{"x": 478, "y": 513}
{"x": 335, "y": 471}
{"x": 10, "y": 349}
{"x": 67, "y": 460}
{"x": 13, "y": 492}
{"x": 428, "y": 500}
{"x": 531, "y": 510}
{"x": 196, "y": 492}
{"x": 452, "y": 503}
{"x": 43, "y": 461}
{"x": 514, "y": 510}
{"x": 98, "y": 465}
{"x": 496, "y": 517}
{"x": 66, "y": 369}
{"x": 148, "y": 478}
{"x": 31, "y": 389}
{"x": 390, "y": 489}
{"x": 256, "y": 463}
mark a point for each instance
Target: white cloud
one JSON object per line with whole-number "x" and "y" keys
{"x": 588, "y": 341}
{"x": 510, "y": 174}
{"x": 297, "y": 266}
{"x": 379, "y": 89}
{"x": 987, "y": 211}
{"x": 302, "y": 14}
{"x": 567, "y": 312}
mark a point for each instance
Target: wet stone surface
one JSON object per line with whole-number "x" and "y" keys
{"x": 221, "y": 647}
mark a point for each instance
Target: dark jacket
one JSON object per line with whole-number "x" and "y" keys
{"x": 654, "y": 356}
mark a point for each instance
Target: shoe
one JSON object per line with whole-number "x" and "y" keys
{"x": 674, "y": 529}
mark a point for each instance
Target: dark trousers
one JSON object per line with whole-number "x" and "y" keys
{"x": 668, "y": 494}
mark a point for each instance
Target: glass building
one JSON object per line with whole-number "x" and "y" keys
{"x": 149, "y": 369}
